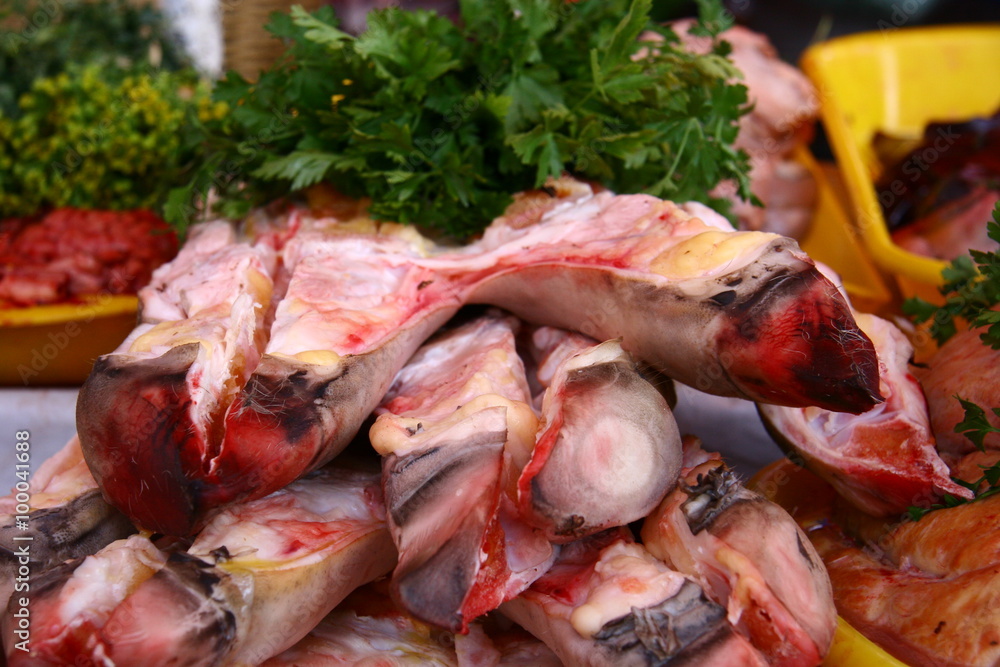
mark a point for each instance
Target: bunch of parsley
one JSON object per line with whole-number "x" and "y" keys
{"x": 440, "y": 122}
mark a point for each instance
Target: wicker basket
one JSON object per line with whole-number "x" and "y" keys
{"x": 247, "y": 47}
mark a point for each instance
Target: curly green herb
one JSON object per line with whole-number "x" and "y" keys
{"x": 971, "y": 291}
{"x": 440, "y": 123}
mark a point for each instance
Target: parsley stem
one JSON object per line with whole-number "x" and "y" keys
{"x": 680, "y": 150}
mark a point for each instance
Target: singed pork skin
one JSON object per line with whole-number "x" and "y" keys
{"x": 750, "y": 556}
{"x": 291, "y": 556}
{"x": 883, "y": 460}
{"x": 209, "y": 402}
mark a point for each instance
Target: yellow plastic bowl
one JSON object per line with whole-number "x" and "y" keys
{"x": 897, "y": 81}
{"x": 57, "y": 344}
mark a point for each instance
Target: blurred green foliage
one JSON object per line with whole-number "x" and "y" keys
{"x": 99, "y": 107}
{"x": 41, "y": 38}
{"x": 81, "y": 140}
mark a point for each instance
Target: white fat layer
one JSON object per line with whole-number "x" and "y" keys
{"x": 105, "y": 579}
{"x": 301, "y": 519}
{"x": 209, "y": 271}
{"x": 483, "y": 414}
{"x": 626, "y": 576}
{"x": 473, "y": 368}
{"x": 709, "y": 254}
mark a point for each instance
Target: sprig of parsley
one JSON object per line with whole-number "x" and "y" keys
{"x": 439, "y": 123}
{"x": 971, "y": 290}
{"x": 975, "y": 427}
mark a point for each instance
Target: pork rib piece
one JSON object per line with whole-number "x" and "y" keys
{"x": 607, "y": 601}
{"x": 750, "y": 556}
{"x": 258, "y": 578}
{"x": 925, "y": 596}
{"x": 455, "y": 429}
{"x": 964, "y": 366}
{"x": 883, "y": 460}
{"x": 608, "y": 449}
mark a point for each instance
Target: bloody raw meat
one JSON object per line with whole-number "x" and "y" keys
{"x": 884, "y": 460}
{"x": 69, "y": 253}
{"x": 455, "y": 429}
{"x": 255, "y": 581}
{"x": 173, "y": 433}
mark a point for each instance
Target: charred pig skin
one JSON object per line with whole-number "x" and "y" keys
{"x": 223, "y": 395}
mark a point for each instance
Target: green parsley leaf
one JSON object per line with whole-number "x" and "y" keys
{"x": 440, "y": 123}
{"x": 971, "y": 293}
{"x": 975, "y": 426}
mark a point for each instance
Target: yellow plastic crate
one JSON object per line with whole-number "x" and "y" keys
{"x": 57, "y": 344}
{"x": 896, "y": 82}
{"x": 831, "y": 240}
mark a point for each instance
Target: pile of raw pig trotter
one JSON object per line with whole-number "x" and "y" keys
{"x": 310, "y": 451}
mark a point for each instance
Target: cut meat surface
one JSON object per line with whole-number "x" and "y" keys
{"x": 608, "y": 449}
